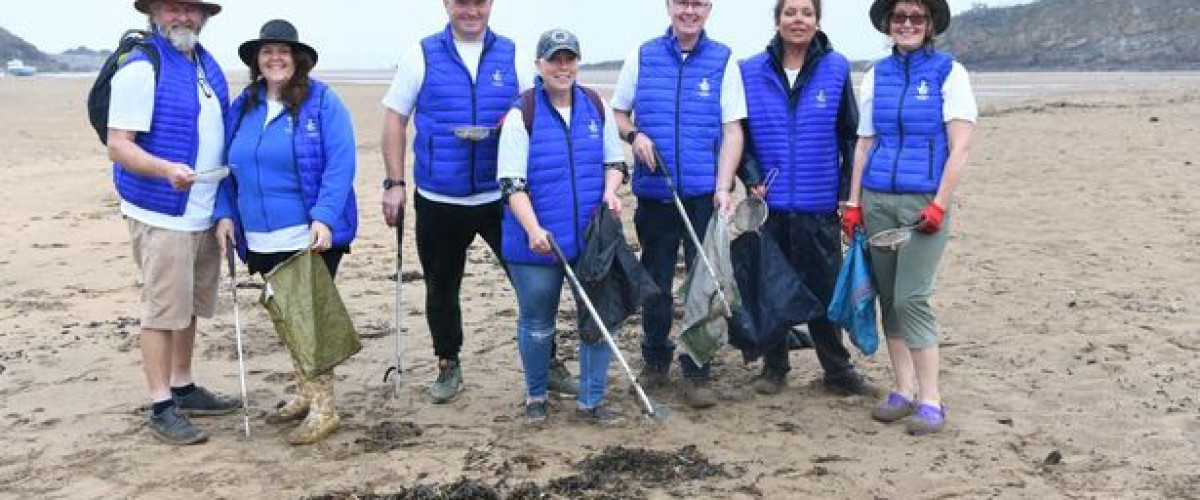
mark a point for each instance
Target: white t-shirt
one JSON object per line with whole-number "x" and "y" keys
{"x": 958, "y": 100}
{"x": 514, "y": 142}
{"x": 131, "y": 108}
{"x": 792, "y": 75}
{"x": 406, "y": 86}
{"x": 733, "y": 93}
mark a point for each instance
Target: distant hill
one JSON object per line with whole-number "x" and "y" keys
{"x": 13, "y": 47}
{"x": 1079, "y": 35}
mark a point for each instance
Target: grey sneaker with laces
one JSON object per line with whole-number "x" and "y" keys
{"x": 598, "y": 416}
{"x": 560, "y": 380}
{"x": 448, "y": 383}
{"x": 204, "y": 403}
{"x": 172, "y": 427}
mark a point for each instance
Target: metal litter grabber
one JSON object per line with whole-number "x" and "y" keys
{"x": 656, "y": 411}
{"x": 398, "y": 353}
{"x": 687, "y": 223}
{"x": 237, "y": 328}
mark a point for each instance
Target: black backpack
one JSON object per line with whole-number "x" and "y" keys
{"x": 101, "y": 93}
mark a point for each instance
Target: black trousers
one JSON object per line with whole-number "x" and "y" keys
{"x": 263, "y": 263}
{"x": 444, "y": 232}
{"x": 812, "y": 244}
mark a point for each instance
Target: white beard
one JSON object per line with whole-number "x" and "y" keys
{"x": 183, "y": 39}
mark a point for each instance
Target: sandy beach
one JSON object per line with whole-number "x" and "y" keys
{"x": 1069, "y": 304}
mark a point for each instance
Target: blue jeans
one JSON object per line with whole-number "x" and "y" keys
{"x": 538, "y": 290}
{"x": 660, "y": 231}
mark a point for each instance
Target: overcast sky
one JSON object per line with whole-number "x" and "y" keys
{"x": 372, "y": 33}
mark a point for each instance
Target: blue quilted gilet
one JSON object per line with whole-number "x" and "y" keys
{"x": 800, "y": 139}
{"x": 174, "y": 135}
{"x": 678, "y": 104}
{"x": 565, "y": 178}
{"x": 448, "y": 98}
{"x": 910, "y": 133}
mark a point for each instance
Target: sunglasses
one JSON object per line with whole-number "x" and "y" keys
{"x": 916, "y": 19}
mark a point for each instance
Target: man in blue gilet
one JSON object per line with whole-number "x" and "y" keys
{"x": 453, "y": 85}
{"x": 163, "y": 130}
{"x": 680, "y": 93}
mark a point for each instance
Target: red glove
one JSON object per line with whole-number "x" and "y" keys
{"x": 851, "y": 218}
{"x": 930, "y": 218}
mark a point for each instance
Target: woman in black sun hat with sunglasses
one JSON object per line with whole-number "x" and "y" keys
{"x": 918, "y": 112}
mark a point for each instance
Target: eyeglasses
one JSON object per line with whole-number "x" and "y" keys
{"x": 917, "y": 19}
{"x": 685, "y": 5}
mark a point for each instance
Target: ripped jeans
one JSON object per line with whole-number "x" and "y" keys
{"x": 538, "y": 290}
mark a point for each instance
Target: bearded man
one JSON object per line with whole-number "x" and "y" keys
{"x": 163, "y": 129}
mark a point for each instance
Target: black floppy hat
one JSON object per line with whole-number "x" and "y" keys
{"x": 212, "y": 9}
{"x": 939, "y": 14}
{"x": 275, "y": 31}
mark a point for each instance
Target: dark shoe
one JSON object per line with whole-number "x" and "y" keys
{"x": 769, "y": 382}
{"x": 893, "y": 408}
{"x": 926, "y": 419}
{"x": 560, "y": 380}
{"x": 852, "y": 384}
{"x": 652, "y": 378}
{"x": 598, "y": 416}
{"x": 173, "y": 428}
{"x": 202, "y": 403}
{"x": 536, "y": 412}
{"x": 448, "y": 383}
{"x": 698, "y": 393}
{"x": 799, "y": 338}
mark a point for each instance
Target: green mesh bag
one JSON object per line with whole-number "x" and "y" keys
{"x": 308, "y": 314}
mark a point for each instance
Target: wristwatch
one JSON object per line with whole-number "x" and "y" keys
{"x": 631, "y": 135}
{"x": 391, "y": 183}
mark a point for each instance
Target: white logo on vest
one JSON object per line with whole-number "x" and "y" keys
{"x": 821, "y": 98}
{"x": 497, "y": 79}
{"x": 923, "y": 91}
{"x": 593, "y": 128}
{"x": 705, "y": 88}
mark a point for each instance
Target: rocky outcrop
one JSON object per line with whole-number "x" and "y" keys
{"x": 1079, "y": 35}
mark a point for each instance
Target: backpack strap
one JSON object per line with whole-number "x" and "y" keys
{"x": 527, "y": 102}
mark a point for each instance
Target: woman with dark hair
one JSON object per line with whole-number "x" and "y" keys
{"x": 801, "y": 125}
{"x": 291, "y": 156}
{"x": 911, "y": 153}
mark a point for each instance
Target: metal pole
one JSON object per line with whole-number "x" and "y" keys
{"x": 237, "y": 328}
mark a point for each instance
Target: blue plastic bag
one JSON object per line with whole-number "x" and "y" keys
{"x": 853, "y": 304}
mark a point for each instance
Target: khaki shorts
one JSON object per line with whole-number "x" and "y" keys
{"x": 180, "y": 271}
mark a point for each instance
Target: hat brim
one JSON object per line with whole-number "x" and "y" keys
{"x": 210, "y": 8}
{"x": 249, "y": 51}
{"x": 545, "y": 56}
{"x": 939, "y": 13}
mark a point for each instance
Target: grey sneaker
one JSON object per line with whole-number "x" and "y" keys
{"x": 698, "y": 393}
{"x": 173, "y": 428}
{"x": 536, "y": 412}
{"x": 652, "y": 378}
{"x": 560, "y": 379}
{"x": 448, "y": 383}
{"x": 769, "y": 382}
{"x": 204, "y": 403}
{"x": 598, "y": 416}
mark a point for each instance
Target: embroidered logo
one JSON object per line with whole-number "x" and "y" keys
{"x": 593, "y": 128}
{"x": 705, "y": 89}
{"x": 821, "y": 98}
{"x": 311, "y": 127}
{"x": 923, "y": 90}
{"x": 497, "y": 79}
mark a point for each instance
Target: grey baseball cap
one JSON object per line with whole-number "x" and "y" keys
{"x": 555, "y": 40}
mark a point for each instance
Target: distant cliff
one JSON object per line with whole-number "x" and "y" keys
{"x": 13, "y": 47}
{"x": 1079, "y": 35}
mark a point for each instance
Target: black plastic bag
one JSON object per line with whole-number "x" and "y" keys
{"x": 773, "y": 296}
{"x": 612, "y": 276}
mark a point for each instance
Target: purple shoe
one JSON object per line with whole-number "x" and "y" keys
{"x": 926, "y": 419}
{"x": 894, "y": 408}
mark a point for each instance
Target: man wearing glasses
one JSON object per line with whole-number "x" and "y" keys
{"x": 680, "y": 94}
{"x": 455, "y": 84}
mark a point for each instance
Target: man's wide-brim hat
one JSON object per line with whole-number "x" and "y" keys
{"x": 939, "y": 14}
{"x": 277, "y": 31}
{"x": 212, "y": 9}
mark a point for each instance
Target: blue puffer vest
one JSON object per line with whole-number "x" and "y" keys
{"x": 444, "y": 163}
{"x": 678, "y": 104}
{"x": 565, "y": 178}
{"x": 910, "y": 133}
{"x": 799, "y": 139}
{"x": 308, "y": 148}
{"x": 174, "y": 135}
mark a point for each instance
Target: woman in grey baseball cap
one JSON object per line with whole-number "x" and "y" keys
{"x": 560, "y": 160}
